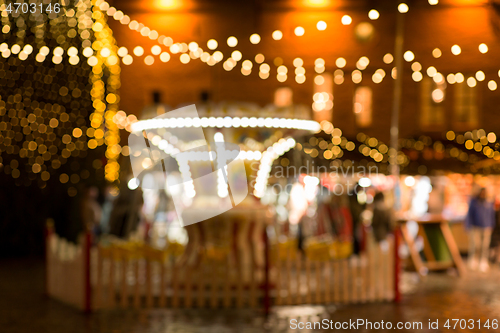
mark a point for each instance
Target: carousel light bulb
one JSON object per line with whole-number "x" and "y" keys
{"x": 218, "y": 137}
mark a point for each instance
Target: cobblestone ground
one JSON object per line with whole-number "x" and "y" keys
{"x": 440, "y": 296}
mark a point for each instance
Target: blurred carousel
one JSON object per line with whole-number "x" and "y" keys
{"x": 210, "y": 163}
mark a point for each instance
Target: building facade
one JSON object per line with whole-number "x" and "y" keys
{"x": 345, "y": 53}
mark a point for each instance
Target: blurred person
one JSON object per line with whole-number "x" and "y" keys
{"x": 495, "y": 236}
{"x": 126, "y": 214}
{"x": 381, "y": 224}
{"x": 324, "y": 214}
{"x": 480, "y": 221}
{"x": 382, "y": 220}
{"x": 110, "y": 194}
{"x": 161, "y": 207}
{"x": 339, "y": 217}
{"x": 91, "y": 210}
{"x": 356, "y": 209}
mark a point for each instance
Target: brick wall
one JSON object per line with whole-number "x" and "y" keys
{"x": 466, "y": 23}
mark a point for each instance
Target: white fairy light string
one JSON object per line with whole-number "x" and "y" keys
{"x": 231, "y": 62}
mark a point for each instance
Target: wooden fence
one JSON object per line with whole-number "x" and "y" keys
{"x": 67, "y": 270}
{"x": 369, "y": 277}
{"x": 131, "y": 275}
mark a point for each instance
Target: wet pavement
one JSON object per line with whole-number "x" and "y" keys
{"x": 440, "y": 296}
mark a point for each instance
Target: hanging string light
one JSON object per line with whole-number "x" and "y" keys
{"x": 229, "y": 64}
{"x": 105, "y": 94}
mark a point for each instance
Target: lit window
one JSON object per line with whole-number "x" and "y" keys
{"x": 322, "y": 104}
{"x": 364, "y": 31}
{"x": 432, "y": 96}
{"x": 283, "y": 97}
{"x": 465, "y": 106}
{"x": 363, "y": 106}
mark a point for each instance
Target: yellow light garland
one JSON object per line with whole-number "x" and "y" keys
{"x": 105, "y": 95}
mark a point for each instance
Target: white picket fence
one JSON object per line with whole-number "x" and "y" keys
{"x": 67, "y": 273}
{"x": 369, "y": 277}
{"x": 143, "y": 277}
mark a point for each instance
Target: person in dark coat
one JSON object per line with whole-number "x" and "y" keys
{"x": 382, "y": 220}
{"x": 495, "y": 237}
{"x": 480, "y": 221}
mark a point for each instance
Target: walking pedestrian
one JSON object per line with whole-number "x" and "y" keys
{"x": 480, "y": 221}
